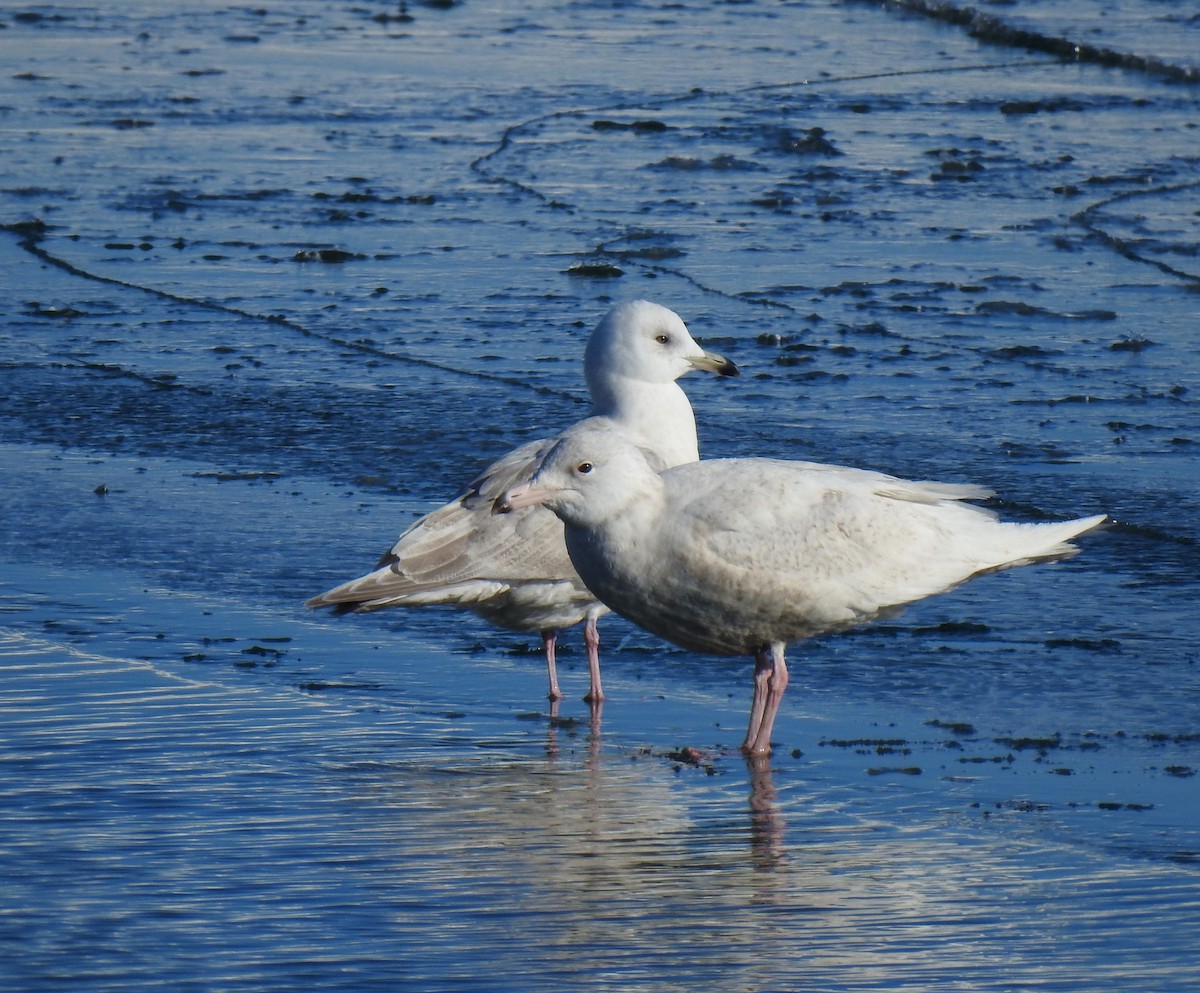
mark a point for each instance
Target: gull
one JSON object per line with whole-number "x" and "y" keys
{"x": 742, "y": 556}
{"x": 514, "y": 571}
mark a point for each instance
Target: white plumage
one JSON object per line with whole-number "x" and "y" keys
{"x": 514, "y": 571}
{"x": 742, "y": 556}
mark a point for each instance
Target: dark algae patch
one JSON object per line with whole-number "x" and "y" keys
{"x": 963, "y": 729}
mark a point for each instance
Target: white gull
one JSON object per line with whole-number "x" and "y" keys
{"x": 743, "y": 556}
{"x": 514, "y": 571}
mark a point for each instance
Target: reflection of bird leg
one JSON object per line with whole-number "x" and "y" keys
{"x": 552, "y": 729}
{"x": 549, "y": 637}
{"x": 766, "y": 824}
{"x": 591, "y": 639}
{"x": 770, "y": 680}
{"x": 594, "y": 731}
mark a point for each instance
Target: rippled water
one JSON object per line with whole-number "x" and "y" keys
{"x": 276, "y": 280}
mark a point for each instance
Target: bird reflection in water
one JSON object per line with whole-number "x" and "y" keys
{"x": 570, "y": 725}
{"x": 766, "y": 826}
{"x": 766, "y": 821}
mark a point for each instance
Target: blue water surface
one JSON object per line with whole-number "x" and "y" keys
{"x": 276, "y": 281}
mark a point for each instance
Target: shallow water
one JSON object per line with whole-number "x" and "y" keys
{"x": 277, "y": 281}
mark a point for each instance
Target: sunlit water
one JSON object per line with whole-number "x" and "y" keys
{"x": 277, "y": 280}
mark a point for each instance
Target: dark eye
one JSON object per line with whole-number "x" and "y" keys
{"x": 583, "y": 468}
{"x": 663, "y": 339}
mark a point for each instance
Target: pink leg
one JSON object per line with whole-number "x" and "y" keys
{"x": 591, "y": 639}
{"x": 549, "y": 637}
{"x": 758, "y": 703}
{"x": 775, "y": 683}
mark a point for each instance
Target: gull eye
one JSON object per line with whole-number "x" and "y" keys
{"x": 663, "y": 339}
{"x": 583, "y": 468}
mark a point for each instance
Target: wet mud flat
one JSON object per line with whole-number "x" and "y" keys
{"x": 278, "y": 281}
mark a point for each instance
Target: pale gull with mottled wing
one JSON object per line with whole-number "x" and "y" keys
{"x": 513, "y": 570}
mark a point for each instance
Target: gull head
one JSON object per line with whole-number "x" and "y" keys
{"x": 645, "y": 342}
{"x": 590, "y": 476}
